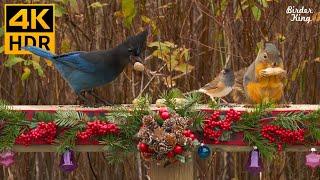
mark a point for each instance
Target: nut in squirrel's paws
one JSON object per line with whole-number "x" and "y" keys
{"x": 138, "y": 66}
{"x": 272, "y": 71}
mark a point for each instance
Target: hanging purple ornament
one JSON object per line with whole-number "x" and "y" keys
{"x": 67, "y": 162}
{"x": 7, "y": 158}
{"x": 254, "y": 164}
{"x": 313, "y": 159}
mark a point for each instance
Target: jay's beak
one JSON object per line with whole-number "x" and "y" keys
{"x": 134, "y": 59}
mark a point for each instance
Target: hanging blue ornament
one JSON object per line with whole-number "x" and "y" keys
{"x": 204, "y": 151}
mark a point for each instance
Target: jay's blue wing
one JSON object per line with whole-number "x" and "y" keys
{"x": 76, "y": 61}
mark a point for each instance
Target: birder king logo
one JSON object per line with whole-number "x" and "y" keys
{"x": 300, "y": 14}
{"x": 28, "y": 24}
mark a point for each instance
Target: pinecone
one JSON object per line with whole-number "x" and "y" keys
{"x": 181, "y": 139}
{"x": 162, "y": 147}
{"x": 170, "y": 139}
{"x": 168, "y": 125}
{"x": 149, "y": 122}
{"x": 182, "y": 123}
{"x": 145, "y": 135}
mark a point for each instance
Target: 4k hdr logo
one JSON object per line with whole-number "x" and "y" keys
{"x": 28, "y": 24}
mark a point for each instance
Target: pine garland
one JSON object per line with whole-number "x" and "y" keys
{"x": 129, "y": 121}
{"x": 14, "y": 123}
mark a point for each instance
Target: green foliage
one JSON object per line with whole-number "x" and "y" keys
{"x": 176, "y": 59}
{"x": 250, "y": 120}
{"x": 292, "y": 120}
{"x": 117, "y": 148}
{"x": 152, "y": 23}
{"x": 26, "y": 63}
{"x": 129, "y": 11}
{"x": 185, "y": 105}
{"x": 14, "y": 122}
{"x": 69, "y": 118}
{"x": 13, "y": 60}
{"x": 1, "y": 31}
{"x": 75, "y": 122}
{"x": 67, "y": 140}
{"x": 129, "y": 122}
{"x": 59, "y": 10}
{"x": 256, "y": 12}
{"x": 43, "y": 116}
{"x": 97, "y": 5}
{"x": 250, "y": 126}
{"x": 254, "y": 138}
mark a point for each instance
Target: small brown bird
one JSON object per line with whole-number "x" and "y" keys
{"x": 221, "y": 86}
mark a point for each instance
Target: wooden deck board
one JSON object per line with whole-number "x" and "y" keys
{"x": 238, "y": 107}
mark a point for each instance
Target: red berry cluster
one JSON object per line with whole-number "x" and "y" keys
{"x": 44, "y": 133}
{"x": 164, "y": 113}
{"x": 189, "y": 133}
{"x": 280, "y": 135}
{"x": 96, "y": 128}
{"x": 214, "y": 126}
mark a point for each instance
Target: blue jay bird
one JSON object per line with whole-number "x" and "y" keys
{"x": 87, "y": 70}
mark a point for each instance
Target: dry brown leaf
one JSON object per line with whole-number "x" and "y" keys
{"x": 316, "y": 17}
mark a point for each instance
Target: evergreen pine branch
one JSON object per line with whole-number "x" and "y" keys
{"x": 8, "y": 136}
{"x": 250, "y": 120}
{"x": 312, "y": 123}
{"x": 291, "y": 120}
{"x": 142, "y": 103}
{"x": 266, "y": 149}
{"x": 7, "y": 114}
{"x": 169, "y": 97}
{"x": 67, "y": 139}
{"x": 191, "y": 101}
{"x": 69, "y": 118}
{"x": 117, "y": 148}
{"x": 44, "y": 116}
{"x": 14, "y": 121}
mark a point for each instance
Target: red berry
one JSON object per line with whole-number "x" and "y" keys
{"x": 178, "y": 149}
{"x": 192, "y": 136}
{"x": 186, "y": 133}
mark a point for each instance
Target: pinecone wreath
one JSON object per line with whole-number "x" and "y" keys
{"x": 167, "y": 142}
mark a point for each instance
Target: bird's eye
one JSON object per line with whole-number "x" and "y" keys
{"x": 265, "y": 56}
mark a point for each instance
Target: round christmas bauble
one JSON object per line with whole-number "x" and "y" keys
{"x": 178, "y": 149}
{"x": 170, "y": 154}
{"x": 165, "y": 115}
{"x": 204, "y": 151}
{"x": 143, "y": 147}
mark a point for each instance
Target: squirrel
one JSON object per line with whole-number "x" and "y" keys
{"x": 263, "y": 80}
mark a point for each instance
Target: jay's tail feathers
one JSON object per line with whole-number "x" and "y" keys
{"x": 40, "y": 52}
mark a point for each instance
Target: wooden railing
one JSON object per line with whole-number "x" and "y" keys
{"x": 177, "y": 171}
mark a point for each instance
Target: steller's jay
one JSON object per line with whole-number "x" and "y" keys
{"x": 87, "y": 70}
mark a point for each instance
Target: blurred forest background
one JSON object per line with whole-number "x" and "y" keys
{"x": 195, "y": 38}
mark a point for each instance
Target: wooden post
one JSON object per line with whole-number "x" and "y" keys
{"x": 172, "y": 172}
